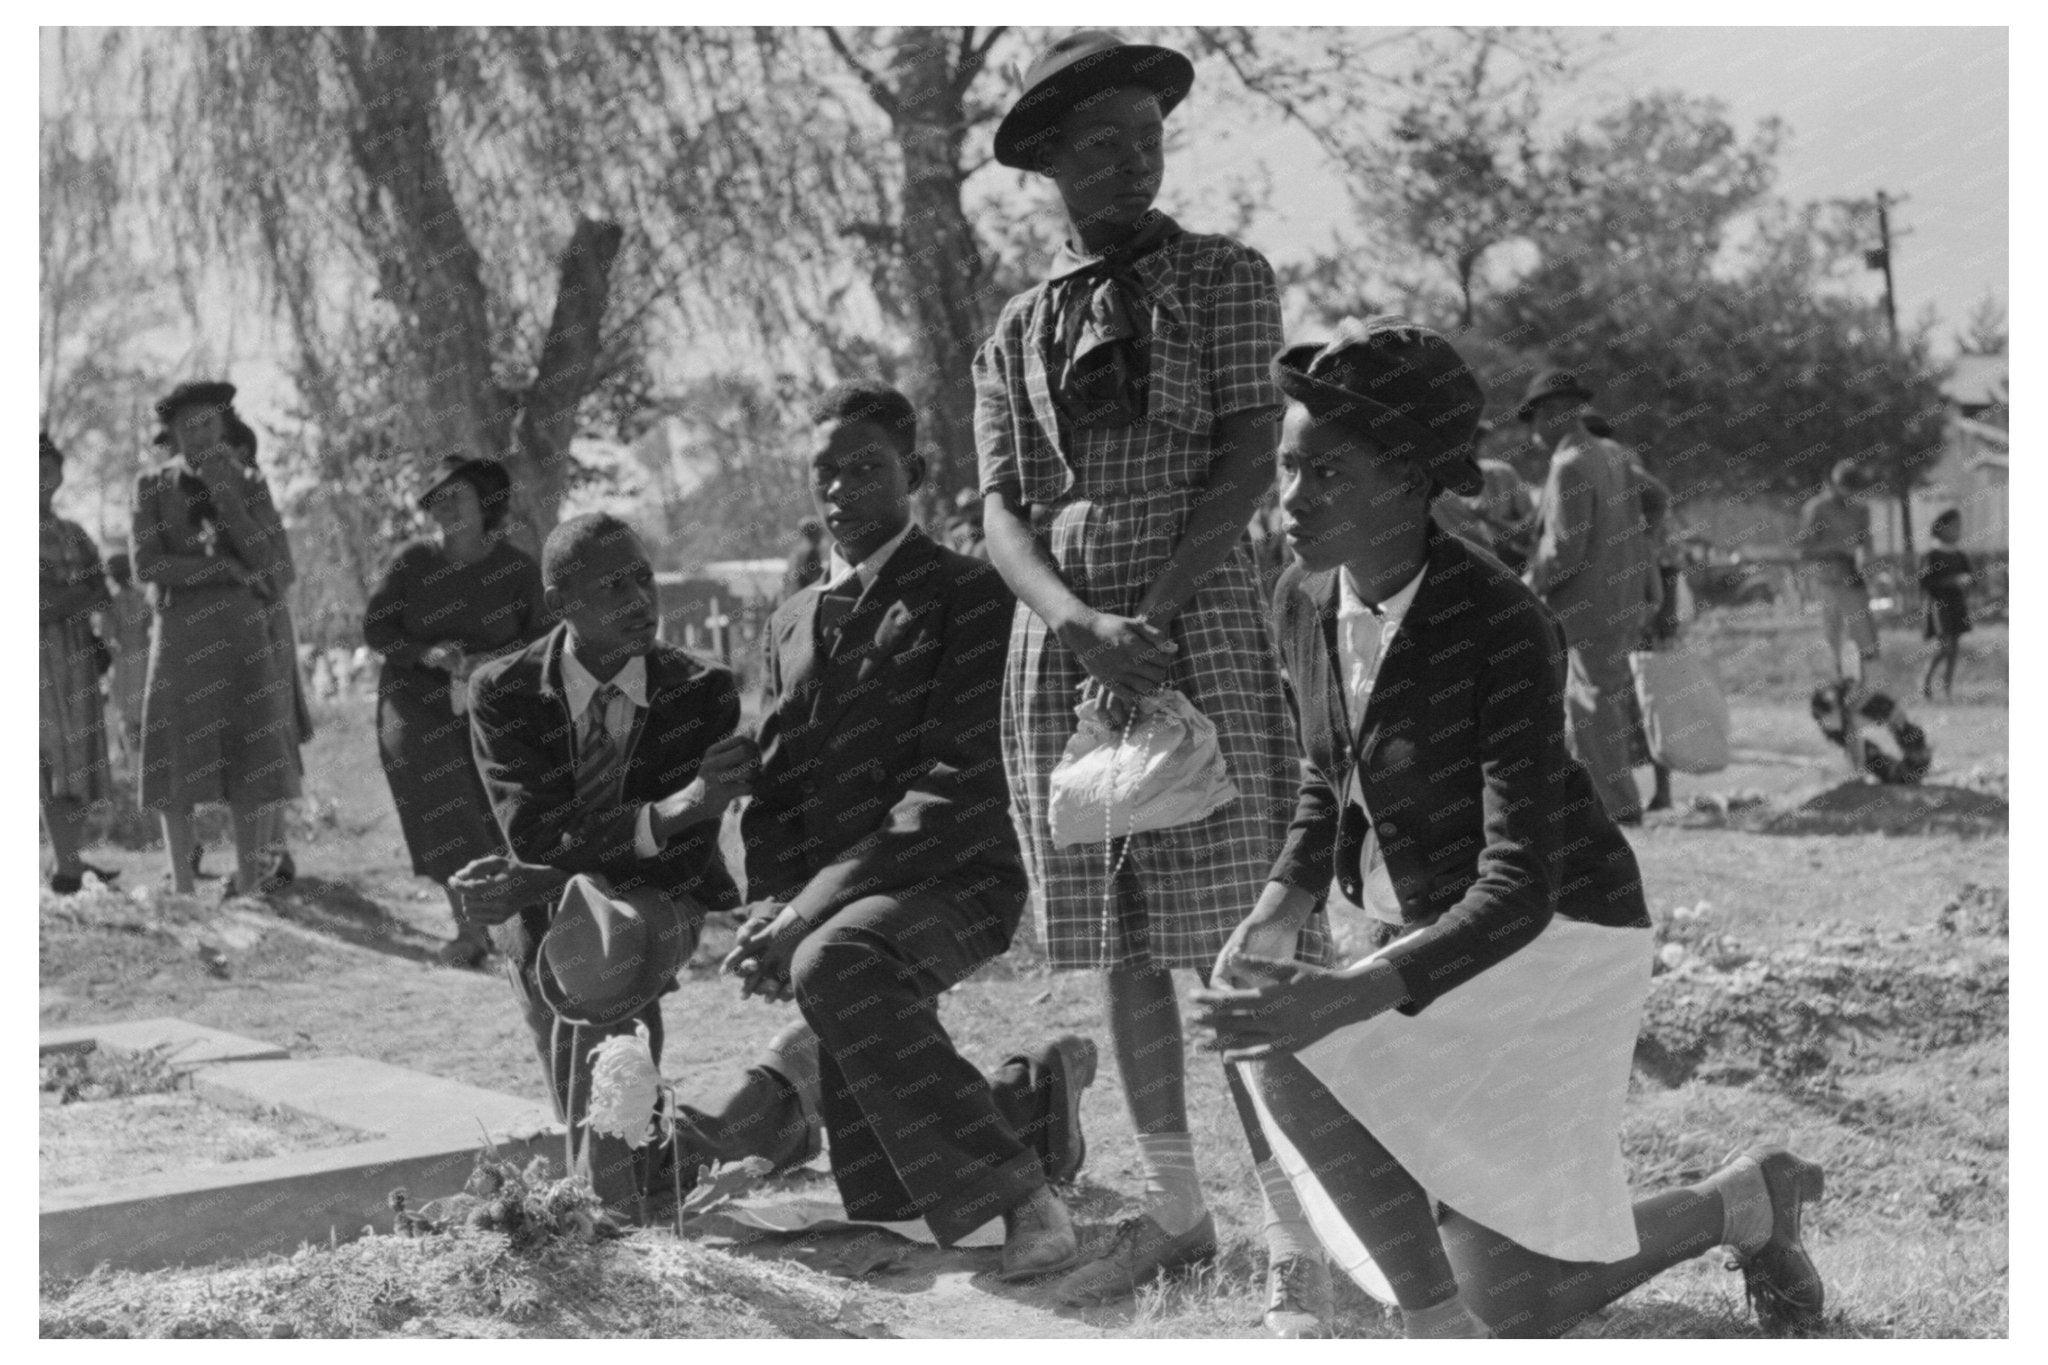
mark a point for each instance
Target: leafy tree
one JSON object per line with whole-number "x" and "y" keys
{"x": 547, "y": 228}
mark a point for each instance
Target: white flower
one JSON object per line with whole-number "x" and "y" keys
{"x": 624, "y": 1083}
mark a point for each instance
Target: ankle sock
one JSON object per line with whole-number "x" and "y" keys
{"x": 1287, "y": 1230}
{"x": 1173, "y": 1189}
{"x": 1745, "y": 1204}
{"x": 1450, "y": 1320}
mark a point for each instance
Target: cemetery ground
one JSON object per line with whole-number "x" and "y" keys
{"x": 1833, "y": 975}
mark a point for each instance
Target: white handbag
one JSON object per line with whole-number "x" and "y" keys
{"x": 1162, "y": 769}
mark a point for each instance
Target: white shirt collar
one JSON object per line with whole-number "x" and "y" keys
{"x": 870, "y": 568}
{"x": 579, "y": 686}
{"x": 1390, "y": 612}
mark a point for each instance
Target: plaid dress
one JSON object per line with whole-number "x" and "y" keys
{"x": 1111, "y": 509}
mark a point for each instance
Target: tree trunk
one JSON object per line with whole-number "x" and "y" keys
{"x": 425, "y": 259}
{"x": 430, "y": 270}
{"x": 942, "y": 278}
{"x": 567, "y": 372}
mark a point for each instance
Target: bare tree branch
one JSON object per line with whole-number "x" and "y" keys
{"x": 884, "y": 98}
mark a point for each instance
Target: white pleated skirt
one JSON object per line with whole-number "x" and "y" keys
{"x": 1503, "y": 1098}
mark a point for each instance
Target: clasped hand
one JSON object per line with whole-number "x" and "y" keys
{"x": 1288, "y": 1006}
{"x": 1127, "y": 657}
{"x": 763, "y": 949}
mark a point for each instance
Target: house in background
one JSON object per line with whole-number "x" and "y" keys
{"x": 1970, "y": 475}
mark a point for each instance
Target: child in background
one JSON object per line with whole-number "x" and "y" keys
{"x": 1945, "y": 578}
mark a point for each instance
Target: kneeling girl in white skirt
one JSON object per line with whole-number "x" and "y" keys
{"x": 1449, "y": 1108}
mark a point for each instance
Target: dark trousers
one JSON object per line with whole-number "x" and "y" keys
{"x": 916, "y": 1131}
{"x": 615, "y": 1171}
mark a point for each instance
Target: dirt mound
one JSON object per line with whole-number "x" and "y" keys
{"x": 650, "y": 1284}
{"x": 1977, "y": 808}
{"x": 1844, "y": 1003}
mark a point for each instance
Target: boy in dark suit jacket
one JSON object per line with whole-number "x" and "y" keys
{"x": 1438, "y": 792}
{"x": 881, "y": 857}
{"x": 607, "y": 754}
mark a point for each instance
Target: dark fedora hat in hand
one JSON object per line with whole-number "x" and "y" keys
{"x": 607, "y": 955}
{"x": 214, "y": 393}
{"x": 1401, "y": 384}
{"x": 490, "y": 479}
{"x": 1084, "y": 63}
{"x": 1558, "y": 384}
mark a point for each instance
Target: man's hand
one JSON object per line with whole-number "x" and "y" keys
{"x": 727, "y": 772}
{"x": 762, "y": 952}
{"x": 494, "y": 889}
{"x": 729, "y": 769}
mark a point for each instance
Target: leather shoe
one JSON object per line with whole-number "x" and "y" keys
{"x": 1783, "y": 1286}
{"x": 1299, "y": 1301}
{"x": 1038, "y": 1237}
{"x": 1068, "y": 1064}
{"x": 1140, "y": 1252}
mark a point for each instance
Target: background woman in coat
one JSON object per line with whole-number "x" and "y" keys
{"x": 443, "y": 607}
{"x": 279, "y": 869}
{"x": 71, "y": 726}
{"x": 220, "y": 718}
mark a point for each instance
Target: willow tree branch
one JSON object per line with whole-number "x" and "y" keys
{"x": 879, "y": 92}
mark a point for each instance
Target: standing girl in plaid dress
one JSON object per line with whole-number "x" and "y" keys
{"x": 1126, "y": 418}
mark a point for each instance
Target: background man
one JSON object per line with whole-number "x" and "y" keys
{"x": 1593, "y": 566}
{"x": 1834, "y": 538}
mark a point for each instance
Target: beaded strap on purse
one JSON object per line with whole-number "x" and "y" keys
{"x": 1110, "y": 872}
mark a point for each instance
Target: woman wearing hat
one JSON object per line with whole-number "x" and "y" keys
{"x": 279, "y": 871}
{"x": 71, "y": 731}
{"x": 444, "y": 606}
{"x": 220, "y": 708}
{"x": 1125, "y": 416}
{"x": 1449, "y": 1107}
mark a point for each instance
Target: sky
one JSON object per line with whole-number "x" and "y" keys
{"x": 1917, "y": 112}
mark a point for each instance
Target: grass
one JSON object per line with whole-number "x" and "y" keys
{"x": 1911, "y": 1237}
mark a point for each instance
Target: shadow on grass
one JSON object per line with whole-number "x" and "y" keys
{"x": 340, "y": 911}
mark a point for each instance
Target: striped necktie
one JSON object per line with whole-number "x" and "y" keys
{"x": 600, "y": 762}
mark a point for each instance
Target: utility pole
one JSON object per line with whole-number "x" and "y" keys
{"x": 1881, "y": 259}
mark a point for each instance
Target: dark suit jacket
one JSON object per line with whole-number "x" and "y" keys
{"x": 1487, "y": 824}
{"x": 882, "y": 762}
{"x": 519, "y": 726}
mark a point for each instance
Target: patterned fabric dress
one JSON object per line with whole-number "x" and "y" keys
{"x": 71, "y": 727}
{"x": 1110, "y": 509}
{"x": 221, "y": 709}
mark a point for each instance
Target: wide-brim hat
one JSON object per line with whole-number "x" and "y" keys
{"x": 1084, "y": 63}
{"x": 214, "y": 393}
{"x": 1548, "y": 385}
{"x": 1401, "y": 384}
{"x": 490, "y": 479}
{"x": 607, "y": 955}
